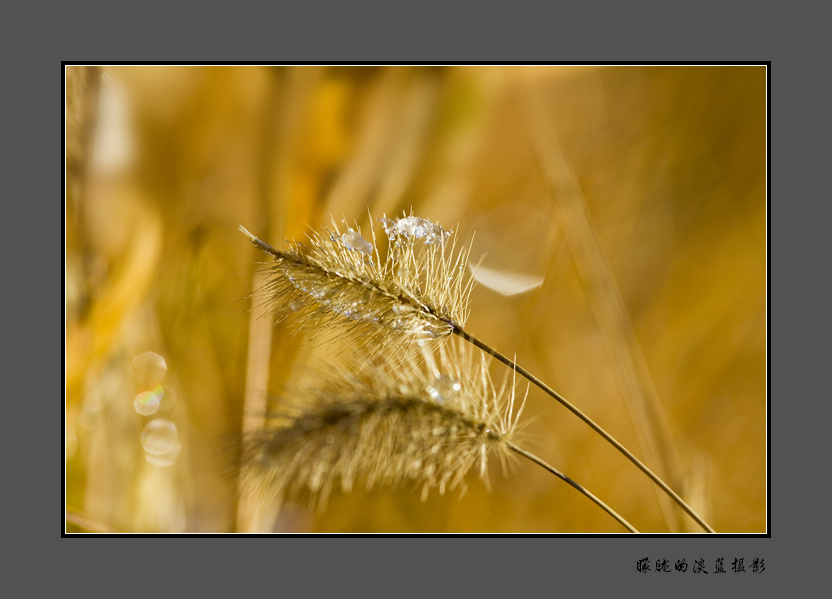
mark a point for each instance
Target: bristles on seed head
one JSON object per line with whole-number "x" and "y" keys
{"x": 428, "y": 422}
{"x": 419, "y": 291}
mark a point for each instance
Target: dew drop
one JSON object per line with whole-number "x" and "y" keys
{"x": 296, "y": 305}
{"x": 432, "y": 331}
{"x": 364, "y": 316}
{"x": 362, "y": 309}
{"x": 413, "y": 227}
{"x": 352, "y": 240}
{"x": 444, "y": 388}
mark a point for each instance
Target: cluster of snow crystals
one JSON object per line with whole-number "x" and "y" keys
{"x": 413, "y": 227}
{"x": 352, "y": 240}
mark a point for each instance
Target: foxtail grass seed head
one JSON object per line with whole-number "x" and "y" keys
{"x": 419, "y": 290}
{"x": 426, "y": 421}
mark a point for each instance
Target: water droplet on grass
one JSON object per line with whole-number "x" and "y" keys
{"x": 295, "y": 305}
{"x": 413, "y": 227}
{"x": 444, "y": 388}
{"x": 352, "y": 240}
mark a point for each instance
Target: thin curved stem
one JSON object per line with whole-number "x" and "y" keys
{"x": 597, "y": 428}
{"x": 559, "y": 474}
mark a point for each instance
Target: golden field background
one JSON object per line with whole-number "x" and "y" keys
{"x": 621, "y": 211}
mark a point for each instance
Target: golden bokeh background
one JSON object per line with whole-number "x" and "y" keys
{"x": 622, "y": 214}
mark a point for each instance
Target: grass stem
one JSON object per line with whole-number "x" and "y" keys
{"x": 556, "y": 472}
{"x": 592, "y": 424}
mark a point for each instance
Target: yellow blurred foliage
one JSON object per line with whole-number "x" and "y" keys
{"x": 668, "y": 165}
